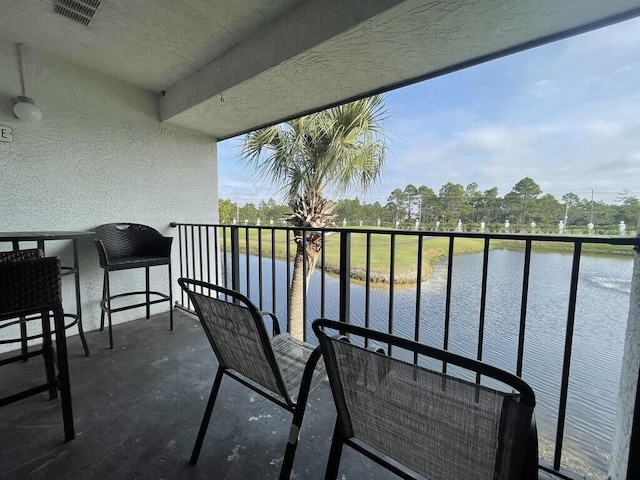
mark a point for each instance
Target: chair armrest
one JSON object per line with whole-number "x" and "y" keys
{"x": 531, "y": 461}
{"x": 102, "y": 253}
{"x": 341, "y": 338}
{"x": 275, "y": 325}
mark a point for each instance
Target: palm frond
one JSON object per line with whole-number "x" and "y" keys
{"x": 333, "y": 151}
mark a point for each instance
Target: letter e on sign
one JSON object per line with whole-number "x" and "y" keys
{"x": 6, "y": 134}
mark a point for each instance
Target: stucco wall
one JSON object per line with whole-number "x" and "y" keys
{"x": 99, "y": 155}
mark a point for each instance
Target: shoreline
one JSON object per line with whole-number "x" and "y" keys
{"x": 434, "y": 250}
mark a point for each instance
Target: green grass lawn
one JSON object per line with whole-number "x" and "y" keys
{"x": 406, "y": 252}
{"x": 405, "y": 261}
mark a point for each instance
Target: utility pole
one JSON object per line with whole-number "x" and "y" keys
{"x": 591, "y": 219}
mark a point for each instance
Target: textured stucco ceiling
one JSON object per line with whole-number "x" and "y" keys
{"x": 226, "y": 67}
{"x": 148, "y": 43}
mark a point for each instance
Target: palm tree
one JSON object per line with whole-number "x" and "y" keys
{"x": 330, "y": 152}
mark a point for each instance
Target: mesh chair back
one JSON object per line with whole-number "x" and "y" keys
{"x": 28, "y": 285}
{"x": 129, "y": 239}
{"x": 237, "y": 334}
{"x": 437, "y": 425}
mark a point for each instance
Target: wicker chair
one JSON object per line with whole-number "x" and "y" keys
{"x": 280, "y": 369}
{"x": 124, "y": 246}
{"x": 30, "y": 285}
{"x": 25, "y": 337}
{"x": 411, "y": 419}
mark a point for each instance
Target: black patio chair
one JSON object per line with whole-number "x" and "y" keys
{"x": 418, "y": 422}
{"x": 123, "y": 246}
{"x": 25, "y": 337}
{"x": 30, "y": 285}
{"x": 279, "y": 368}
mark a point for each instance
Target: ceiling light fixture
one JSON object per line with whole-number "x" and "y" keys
{"x": 25, "y": 108}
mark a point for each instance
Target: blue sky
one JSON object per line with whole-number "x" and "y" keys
{"x": 565, "y": 114}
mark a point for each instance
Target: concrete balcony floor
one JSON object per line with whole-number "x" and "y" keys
{"x": 137, "y": 409}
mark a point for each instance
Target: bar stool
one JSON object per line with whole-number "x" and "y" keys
{"x": 30, "y": 254}
{"x": 124, "y": 246}
{"x": 30, "y": 285}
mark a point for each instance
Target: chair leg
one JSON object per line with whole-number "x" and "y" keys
{"x": 170, "y": 299}
{"x": 148, "y": 295}
{"x": 530, "y": 471}
{"x": 207, "y": 416}
{"x": 49, "y": 365}
{"x": 104, "y": 299}
{"x": 333, "y": 464}
{"x": 63, "y": 375}
{"x": 82, "y": 339}
{"x": 292, "y": 442}
{"x": 298, "y": 414}
{"x": 107, "y": 291}
{"x": 23, "y": 337}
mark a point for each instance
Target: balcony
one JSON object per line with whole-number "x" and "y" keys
{"x": 137, "y": 407}
{"x": 500, "y": 325}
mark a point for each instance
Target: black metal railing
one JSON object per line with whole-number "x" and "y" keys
{"x": 217, "y": 253}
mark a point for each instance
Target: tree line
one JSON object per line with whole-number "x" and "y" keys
{"x": 523, "y": 205}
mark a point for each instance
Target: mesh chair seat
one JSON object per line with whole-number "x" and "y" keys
{"x": 434, "y": 424}
{"x": 124, "y": 246}
{"x": 291, "y": 356}
{"x": 281, "y": 368}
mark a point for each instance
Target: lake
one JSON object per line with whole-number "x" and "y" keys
{"x": 601, "y": 315}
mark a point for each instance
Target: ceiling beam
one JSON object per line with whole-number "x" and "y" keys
{"x": 305, "y": 26}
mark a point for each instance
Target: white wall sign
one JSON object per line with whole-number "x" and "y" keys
{"x": 6, "y": 134}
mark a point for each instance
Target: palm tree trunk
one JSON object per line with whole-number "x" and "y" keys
{"x": 299, "y": 282}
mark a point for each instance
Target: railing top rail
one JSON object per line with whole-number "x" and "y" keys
{"x": 602, "y": 239}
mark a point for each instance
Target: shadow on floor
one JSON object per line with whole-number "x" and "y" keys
{"x": 137, "y": 409}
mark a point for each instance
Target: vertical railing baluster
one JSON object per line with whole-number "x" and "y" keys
{"x": 235, "y": 258}
{"x": 523, "y": 305}
{"x": 186, "y": 252}
{"x": 193, "y": 251}
{"x": 216, "y": 254}
{"x": 566, "y": 366}
{"x": 260, "y": 303}
{"x": 208, "y": 247}
{"x": 288, "y": 242}
{"x": 447, "y": 305}
{"x": 323, "y": 275}
{"x": 367, "y": 287}
{"x": 273, "y": 270}
{"x": 182, "y": 273}
{"x": 200, "y": 252}
{"x": 392, "y": 274}
{"x": 225, "y": 263}
{"x": 483, "y": 301}
{"x": 247, "y": 255}
{"x": 345, "y": 277}
{"x": 305, "y": 266}
{"x": 416, "y": 334}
